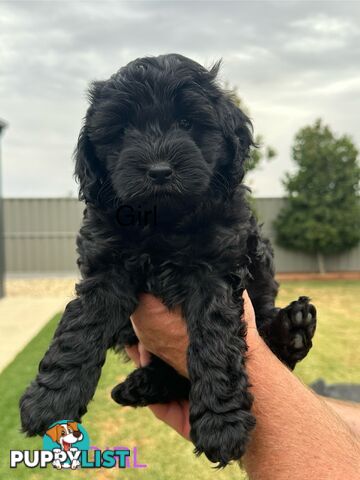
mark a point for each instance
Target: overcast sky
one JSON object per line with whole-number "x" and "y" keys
{"x": 292, "y": 62}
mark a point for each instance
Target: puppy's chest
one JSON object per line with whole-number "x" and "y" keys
{"x": 170, "y": 267}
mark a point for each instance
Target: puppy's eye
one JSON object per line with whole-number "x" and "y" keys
{"x": 185, "y": 123}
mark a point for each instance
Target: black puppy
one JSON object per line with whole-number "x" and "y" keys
{"x": 160, "y": 134}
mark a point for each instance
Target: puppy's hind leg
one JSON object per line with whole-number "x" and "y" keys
{"x": 157, "y": 382}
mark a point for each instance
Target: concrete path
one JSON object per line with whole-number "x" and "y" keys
{"x": 21, "y": 318}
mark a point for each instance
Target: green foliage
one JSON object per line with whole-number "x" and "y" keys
{"x": 261, "y": 152}
{"x": 322, "y": 212}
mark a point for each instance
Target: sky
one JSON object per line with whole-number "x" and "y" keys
{"x": 291, "y": 61}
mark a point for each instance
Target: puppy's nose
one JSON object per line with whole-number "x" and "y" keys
{"x": 160, "y": 173}
{"x": 77, "y": 434}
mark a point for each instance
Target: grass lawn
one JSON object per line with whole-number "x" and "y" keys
{"x": 335, "y": 357}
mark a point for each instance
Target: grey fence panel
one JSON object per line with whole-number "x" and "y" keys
{"x": 349, "y": 261}
{"x": 40, "y": 238}
{"x": 40, "y": 234}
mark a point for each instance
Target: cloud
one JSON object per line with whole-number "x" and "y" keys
{"x": 325, "y": 25}
{"x": 292, "y": 62}
{"x": 322, "y": 33}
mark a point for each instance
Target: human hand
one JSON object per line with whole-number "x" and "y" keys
{"x": 163, "y": 333}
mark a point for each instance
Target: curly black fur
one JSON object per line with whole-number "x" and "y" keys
{"x": 162, "y": 133}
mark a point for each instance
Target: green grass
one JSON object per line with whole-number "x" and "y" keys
{"x": 335, "y": 357}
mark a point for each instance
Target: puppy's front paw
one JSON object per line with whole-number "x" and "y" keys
{"x": 223, "y": 437}
{"x": 35, "y": 410}
{"x": 41, "y": 406}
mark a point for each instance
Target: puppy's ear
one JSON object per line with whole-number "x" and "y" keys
{"x": 237, "y": 131}
{"x": 88, "y": 170}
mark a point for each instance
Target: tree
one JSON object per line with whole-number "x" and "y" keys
{"x": 322, "y": 212}
{"x": 263, "y": 152}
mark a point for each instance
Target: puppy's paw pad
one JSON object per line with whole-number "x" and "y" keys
{"x": 302, "y": 317}
{"x": 296, "y": 327}
{"x": 297, "y": 342}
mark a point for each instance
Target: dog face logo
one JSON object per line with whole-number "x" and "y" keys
{"x": 65, "y": 434}
{"x": 66, "y": 441}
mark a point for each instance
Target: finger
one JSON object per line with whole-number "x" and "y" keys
{"x": 174, "y": 414}
{"x": 148, "y": 305}
{"x": 249, "y": 313}
{"x": 133, "y": 353}
{"x": 246, "y": 298}
{"x": 134, "y": 325}
{"x": 186, "y": 418}
{"x": 145, "y": 356}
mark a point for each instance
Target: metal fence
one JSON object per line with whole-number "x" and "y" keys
{"x": 40, "y": 235}
{"x": 3, "y": 125}
{"x": 40, "y": 238}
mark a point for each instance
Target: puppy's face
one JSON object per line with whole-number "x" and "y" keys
{"x": 161, "y": 131}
